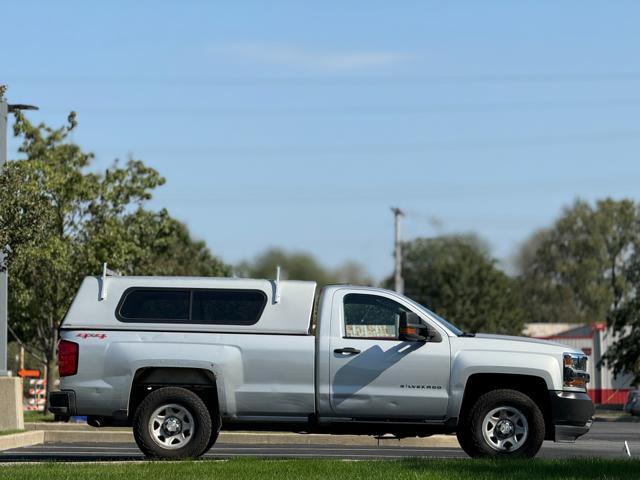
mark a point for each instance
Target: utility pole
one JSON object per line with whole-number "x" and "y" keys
{"x": 397, "y": 272}
{"x": 5, "y": 109}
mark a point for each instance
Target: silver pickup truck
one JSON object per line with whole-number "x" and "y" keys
{"x": 179, "y": 358}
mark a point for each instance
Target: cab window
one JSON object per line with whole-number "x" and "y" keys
{"x": 371, "y": 316}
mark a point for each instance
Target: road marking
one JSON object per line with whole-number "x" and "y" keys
{"x": 72, "y": 454}
{"x": 311, "y": 455}
{"x": 46, "y": 449}
{"x": 120, "y": 452}
{"x": 91, "y": 448}
{"x": 226, "y": 451}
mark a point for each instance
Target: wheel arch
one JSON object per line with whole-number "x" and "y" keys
{"x": 201, "y": 381}
{"x": 533, "y": 386}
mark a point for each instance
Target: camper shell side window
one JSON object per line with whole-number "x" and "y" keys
{"x": 191, "y": 306}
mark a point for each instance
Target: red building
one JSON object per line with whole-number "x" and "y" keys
{"x": 594, "y": 340}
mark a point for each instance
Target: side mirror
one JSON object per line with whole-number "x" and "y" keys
{"x": 411, "y": 327}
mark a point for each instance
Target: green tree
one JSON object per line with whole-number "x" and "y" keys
{"x": 156, "y": 244}
{"x": 575, "y": 271}
{"x": 62, "y": 220}
{"x": 302, "y": 266}
{"x": 456, "y": 277}
{"x": 585, "y": 269}
{"x": 352, "y": 273}
{"x": 624, "y": 355}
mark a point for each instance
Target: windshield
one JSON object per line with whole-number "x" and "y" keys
{"x": 449, "y": 326}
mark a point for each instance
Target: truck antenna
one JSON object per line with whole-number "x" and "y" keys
{"x": 276, "y": 295}
{"x": 103, "y": 280}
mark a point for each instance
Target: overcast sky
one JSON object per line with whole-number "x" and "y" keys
{"x": 298, "y": 124}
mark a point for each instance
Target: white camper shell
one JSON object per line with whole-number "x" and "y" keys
{"x": 98, "y": 301}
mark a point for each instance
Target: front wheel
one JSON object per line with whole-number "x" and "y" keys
{"x": 504, "y": 423}
{"x": 172, "y": 422}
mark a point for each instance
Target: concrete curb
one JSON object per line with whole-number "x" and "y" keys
{"x": 97, "y": 436}
{"x": 628, "y": 419}
{"x": 260, "y": 438}
{"x": 70, "y": 427}
{"x": 78, "y": 433}
{"x": 252, "y": 438}
{"x": 23, "y": 439}
{"x": 124, "y": 435}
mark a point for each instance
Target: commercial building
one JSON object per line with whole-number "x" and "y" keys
{"x": 594, "y": 340}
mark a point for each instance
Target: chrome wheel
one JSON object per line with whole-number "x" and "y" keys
{"x": 505, "y": 429}
{"x": 171, "y": 426}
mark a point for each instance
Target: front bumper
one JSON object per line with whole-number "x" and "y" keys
{"x": 571, "y": 414}
{"x": 63, "y": 403}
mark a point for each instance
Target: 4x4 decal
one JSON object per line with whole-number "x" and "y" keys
{"x": 84, "y": 336}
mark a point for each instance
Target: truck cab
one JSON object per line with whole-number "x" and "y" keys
{"x": 369, "y": 368}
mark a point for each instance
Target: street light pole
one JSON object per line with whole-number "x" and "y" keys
{"x": 5, "y": 109}
{"x": 397, "y": 272}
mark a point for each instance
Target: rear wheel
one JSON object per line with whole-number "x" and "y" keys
{"x": 505, "y": 423}
{"x": 172, "y": 422}
{"x": 215, "y": 431}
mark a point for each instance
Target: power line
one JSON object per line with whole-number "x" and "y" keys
{"x": 369, "y": 149}
{"x": 245, "y": 81}
{"x": 359, "y": 110}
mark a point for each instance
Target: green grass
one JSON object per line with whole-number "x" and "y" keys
{"x": 32, "y": 416}
{"x": 9, "y": 432}
{"x": 250, "y": 468}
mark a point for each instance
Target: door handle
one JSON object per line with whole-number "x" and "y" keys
{"x": 347, "y": 351}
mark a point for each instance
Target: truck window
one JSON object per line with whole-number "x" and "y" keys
{"x": 192, "y": 306}
{"x": 236, "y": 307}
{"x": 155, "y": 304}
{"x": 371, "y": 316}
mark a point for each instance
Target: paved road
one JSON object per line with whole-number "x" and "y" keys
{"x": 605, "y": 440}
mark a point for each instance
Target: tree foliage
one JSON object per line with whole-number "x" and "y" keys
{"x": 302, "y": 266}
{"x": 61, "y": 220}
{"x": 586, "y": 268}
{"x": 576, "y": 270}
{"x": 456, "y": 277}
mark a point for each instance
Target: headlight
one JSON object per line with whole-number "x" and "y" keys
{"x": 575, "y": 370}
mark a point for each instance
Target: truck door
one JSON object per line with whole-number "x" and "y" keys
{"x": 374, "y": 374}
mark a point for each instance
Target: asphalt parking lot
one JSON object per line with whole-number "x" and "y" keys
{"x": 606, "y": 440}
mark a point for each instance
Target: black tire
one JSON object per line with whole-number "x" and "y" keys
{"x": 215, "y": 431}
{"x": 61, "y": 418}
{"x": 470, "y": 432}
{"x": 462, "y": 433}
{"x": 192, "y": 403}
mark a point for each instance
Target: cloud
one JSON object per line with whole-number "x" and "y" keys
{"x": 307, "y": 59}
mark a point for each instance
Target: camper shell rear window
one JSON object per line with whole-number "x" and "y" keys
{"x": 191, "y": 306}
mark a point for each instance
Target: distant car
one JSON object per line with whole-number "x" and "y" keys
{"x": 633, "y": 403}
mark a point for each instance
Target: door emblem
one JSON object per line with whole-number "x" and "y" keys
{"x": 422, "y": 387}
